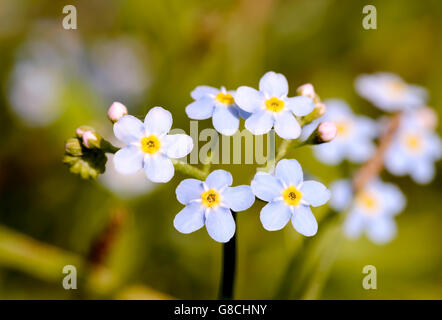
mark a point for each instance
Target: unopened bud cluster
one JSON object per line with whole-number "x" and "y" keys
{"x": 84, "y": 154}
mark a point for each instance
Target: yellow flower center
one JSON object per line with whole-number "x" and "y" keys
{"x": 274, "y": 104}
{"x": 210, "y": 198}
{"x": 413, "y": 142}
{"x": 150, "y": 144}
{"x": 292, "y": 196}
{"x": 225, "y": 98}
{"x": 396, "y": 88}
{"x": 342, "y": 128}
{"x": 368, "y": 201}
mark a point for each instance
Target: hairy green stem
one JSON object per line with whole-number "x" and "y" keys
{"x": 189, "y": 170}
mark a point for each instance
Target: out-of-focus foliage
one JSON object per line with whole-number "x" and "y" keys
{"x": 148, "y": 53}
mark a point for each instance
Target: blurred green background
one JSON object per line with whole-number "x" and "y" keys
{"x": 147, "y": 53}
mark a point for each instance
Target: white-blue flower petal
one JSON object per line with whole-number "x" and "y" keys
{"x": 200, "y": 109}
{"x": 203, "y": 91}
{"x": 249, "y": 99}
{"x": 129, "y": 129}
{"x": 238, "y": 198}
{"x": 341, "y": 194}
{"x": 220, "y": 224}
{"x": 381, "y": 230}
{"x": 225, "y": 120}
{"x": 260, "y": 122}
{"x": 177, "y": 145}
{"x": 266, "y": 187}
{"x": 190, "y": 219}
{"x": 422, "y": 171}
{"x": 289, "y": 171}
{"x": 330, "y": 153}
{"x": 359, "y": 150}
{"x": 314, "y": 193}
{"x": 354, "y": 225}
{"x": 274, "y": 84}
{"x": 394, "y": 199}
{"x": 188, "y": 190}
{"x": 219, "y": 179}
{"x": 286, "y": 126}
{"x": 275, "y": 215}
{"x": 158, "y": 121}
{"x": 304, "y": 221}
{"x": 128, "y": 160}
{"x": 159, "y": 168}
{"x": 396, "y": 161}
{"x": 300, "y": 106}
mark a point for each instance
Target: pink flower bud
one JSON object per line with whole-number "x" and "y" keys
{"x": 90, "y": 140}
{"x": 306, "y": 90}
{"x": 427, "y": 118}
{"x": 327, "y": 131}
{"x": 116, "y": 111}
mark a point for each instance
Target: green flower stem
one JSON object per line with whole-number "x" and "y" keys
{"x": 292, "y": 277}
{"x": 189, "y": 170}
{"x": 323, "y": 267}
{"x": 108, "y": 147}
{"x": 228, "y": 268}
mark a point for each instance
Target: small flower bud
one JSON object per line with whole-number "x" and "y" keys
{"x": 327, "y": 131}
{"x": 427, "y": 118}
{"x": 306, "y": 90}
{"x": 80, "y": 130}
{"x": 116, "y": 111}
{"x": 91, "y": 140}
{"x": 73, "y": 147}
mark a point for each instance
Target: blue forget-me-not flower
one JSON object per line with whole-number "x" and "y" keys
{"x": 149, "y": 146}
{"x": 210, "y": 203}
{"x": 289, "y": 197}
{"x": 371, "y": 210}
{"x": 270, "y": 107}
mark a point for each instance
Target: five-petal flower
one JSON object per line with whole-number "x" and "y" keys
{"x": 289, "y": 196}
{"x": 270, "y": 107}
{"x": 218, "y": 104}
{"x": 210, "y": 203}
{"x": 149, "y": 146}
{"x": 372, "y": 210}
{"x": 414, "y": 149}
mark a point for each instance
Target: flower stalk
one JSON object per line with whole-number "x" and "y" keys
{"x": 228, "y": 267}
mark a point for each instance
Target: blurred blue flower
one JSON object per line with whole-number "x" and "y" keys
{"x": 372, "y": 210}
{"x": 389, "y": 92}
{"x": 218, "y": 104}
{"x": 149, "y": 146}
{"x": 414, "y": 149}
{"x": 209, "y": 203}
{"x": 270, "y": 107}
{"x": 354, "y": 137}
{"x": 289, "y": 196}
